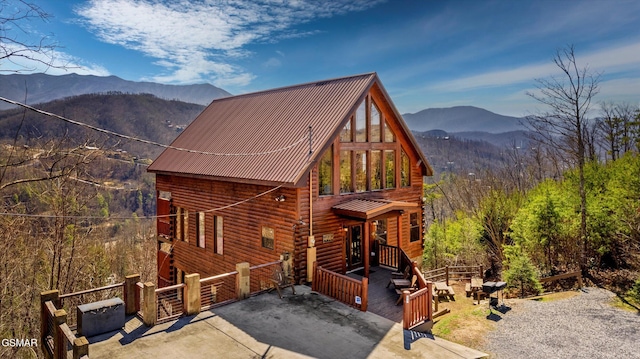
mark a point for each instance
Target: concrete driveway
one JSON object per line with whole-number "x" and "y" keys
{"x": 297, "y": 326}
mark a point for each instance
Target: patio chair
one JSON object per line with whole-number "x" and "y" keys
{"x": 281, "y": 281}
{"x": 411, "y": 288}
{"x": 399, "y": 275}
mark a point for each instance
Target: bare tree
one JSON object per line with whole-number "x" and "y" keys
{"x": 16, "y": 45}
{"x": 616, "y": 128}
{"x": 565, "y": 124}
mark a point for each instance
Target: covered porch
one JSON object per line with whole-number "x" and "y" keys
{"x": 373, "y": 228}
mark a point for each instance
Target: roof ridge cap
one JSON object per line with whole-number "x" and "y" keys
{"x": 304, "y": 84}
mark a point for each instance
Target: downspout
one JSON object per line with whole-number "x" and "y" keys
{"x": 311, "y": 242}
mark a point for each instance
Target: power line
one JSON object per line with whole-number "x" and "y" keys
{"x": 9, "y": 214}
{"x": 109, "y": 132}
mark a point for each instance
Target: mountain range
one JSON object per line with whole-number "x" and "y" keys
{"x": 461, "y": 119}
{"x": 474, "y": 136}
{"x": 40, "y": 88}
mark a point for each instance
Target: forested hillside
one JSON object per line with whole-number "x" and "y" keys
{"x": 141, "y": 116}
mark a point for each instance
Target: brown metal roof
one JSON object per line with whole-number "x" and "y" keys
{"x": 242, "y": 135}
{"x": 370, "y": 208}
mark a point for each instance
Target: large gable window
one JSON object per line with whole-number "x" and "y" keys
{"x": 367, "y": 151}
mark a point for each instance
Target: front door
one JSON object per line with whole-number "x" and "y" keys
{"x": 354, "y": 247}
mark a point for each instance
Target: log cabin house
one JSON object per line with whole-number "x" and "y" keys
{"x": 320, "y": 171}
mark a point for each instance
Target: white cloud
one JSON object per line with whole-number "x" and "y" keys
{"x": 195, "y": 40}
{"x": 608, "y": 61}
{"x": 60, "y": 62}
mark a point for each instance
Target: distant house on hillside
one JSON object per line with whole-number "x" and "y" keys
{"x": 239, "y": 179}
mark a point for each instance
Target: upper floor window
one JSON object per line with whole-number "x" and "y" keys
{"x": 218, "y": 234}
{"x": 405, "y": 170}
{"x": 361, "y": 123}
{"x": 200, "y": 229}
{"x": 414, "y": 227}
{"x": 182, "y": 224}
{"x": 345, "y": 172}
{"x": 376, "y": 170}
{"x": 389, "y": 136}
{"x": 268, "y": 237}
{"x": 361, "y": 171}
{"x": 375, "y": 123}
{"x": 390, "y": 166}
{"x": 325, "y": 173}
{"x": 346, "y": 135}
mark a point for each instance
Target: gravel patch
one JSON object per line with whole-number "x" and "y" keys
{"x": 584, "y": 326}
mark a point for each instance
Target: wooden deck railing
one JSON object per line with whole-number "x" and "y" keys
{"x": 347, "y": 290}
{"x": 170, "y": 303}
{"x": 417, "y": 308}
{"x": 261, "y": 276}
{"x": 388, "y": 256}
{"x": 218, "y": 290}
{"x": 56, "y": 337}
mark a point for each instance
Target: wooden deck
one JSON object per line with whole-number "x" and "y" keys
{"x": 382, "y": 300}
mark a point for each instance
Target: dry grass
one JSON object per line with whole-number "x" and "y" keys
{"x": 555, "y": 296}
{"x": 468, "y": 323}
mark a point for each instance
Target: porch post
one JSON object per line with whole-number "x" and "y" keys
{"x": 399, "y": 235}
{"x": 367, "y": 250}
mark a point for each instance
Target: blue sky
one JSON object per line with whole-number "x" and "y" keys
{"x": 427, "y": 53}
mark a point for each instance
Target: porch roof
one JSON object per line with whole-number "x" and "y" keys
{"x": 370, "y": 208}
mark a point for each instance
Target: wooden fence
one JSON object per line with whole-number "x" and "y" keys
{"x": 576, "y": 274}
{"x": 347, "y": 290}
{"x": 446, "y": 273}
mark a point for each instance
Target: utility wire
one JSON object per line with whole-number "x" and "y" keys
{"x": 9, "y": 214}
{"x": 65, "y": 119}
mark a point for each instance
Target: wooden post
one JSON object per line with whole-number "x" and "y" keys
{"x": 80, "y": 347}
{"x": 314, "y": 284}
{"x": 365, "y": 294}
{"x": 131, "y": 294}
{"x": 367, "y": 249}
{"x": 447, "y": 274}
{"x": 50, "y": 295}
{"x": 150, "y": 305}
{"x": 243, "y": 280}
{"x": 436, "y": 299}
{"x": 59, "y": 340}
{"x": 579, "y": 279}
{"x": 406, "y": 310}
{"x": 191, "y": 301}
{"x": 429, "y": 296}
{"x": 481, "y": 272}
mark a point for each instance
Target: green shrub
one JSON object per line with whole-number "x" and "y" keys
{"x": 634, "y": 292}
{"x": 520, "y": 272}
